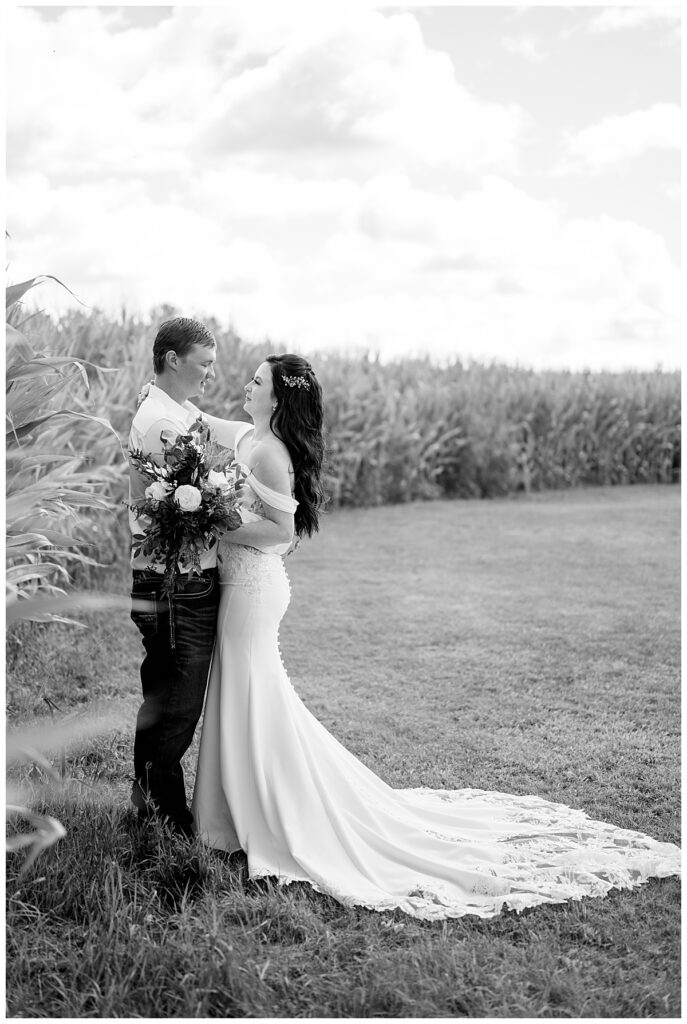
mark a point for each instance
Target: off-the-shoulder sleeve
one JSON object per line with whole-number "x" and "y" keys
{"x": 282, "y": 502}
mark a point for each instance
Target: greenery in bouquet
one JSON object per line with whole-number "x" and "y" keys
{"x": 192, "y": 497}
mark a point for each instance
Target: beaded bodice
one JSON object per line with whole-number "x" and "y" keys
{"x": 248, "y": 568}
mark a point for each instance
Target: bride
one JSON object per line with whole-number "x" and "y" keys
{"x": 273, "y": 782}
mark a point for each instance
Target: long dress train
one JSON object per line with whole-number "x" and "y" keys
{"x": 273, "y": 782}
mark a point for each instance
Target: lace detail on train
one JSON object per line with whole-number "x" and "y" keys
{"x": 272, "y": 781}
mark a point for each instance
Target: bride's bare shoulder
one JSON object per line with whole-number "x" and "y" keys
{"x": 273, "y": 452}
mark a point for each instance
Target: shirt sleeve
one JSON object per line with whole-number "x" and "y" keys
{"x": 150, "y": 438}
{"x": 147, "y": 441}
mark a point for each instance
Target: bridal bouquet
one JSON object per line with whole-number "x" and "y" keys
{"x": 192, "y": 498}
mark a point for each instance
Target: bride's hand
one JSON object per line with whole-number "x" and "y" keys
{"x": 229, "y": 534}
{"x": 143, "y": 393}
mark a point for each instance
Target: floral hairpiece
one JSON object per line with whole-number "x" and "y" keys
{"x": 296, "y": 382}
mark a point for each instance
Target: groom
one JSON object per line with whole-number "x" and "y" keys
{"x": 173, "y": 678}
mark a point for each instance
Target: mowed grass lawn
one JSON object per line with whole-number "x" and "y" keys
{"x": 528, "y": 645}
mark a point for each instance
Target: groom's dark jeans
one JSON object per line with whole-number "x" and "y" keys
{"x": 178, "y": 636}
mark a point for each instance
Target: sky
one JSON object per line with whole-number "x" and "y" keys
{"x": 490, "y": 183}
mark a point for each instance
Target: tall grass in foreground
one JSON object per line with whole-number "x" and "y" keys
{"x": 53, "y": 476}
{"x": 52, "y": 483}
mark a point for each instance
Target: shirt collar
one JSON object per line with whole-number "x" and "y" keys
{"x": 162, "y": 396}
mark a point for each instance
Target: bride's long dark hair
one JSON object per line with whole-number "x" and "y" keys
{"x": 298, "y": 421}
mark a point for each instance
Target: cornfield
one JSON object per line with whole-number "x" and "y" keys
{"x": 55, "y": 481}
{"x": 407, "y": 429}
{"x": 54, "y": 490}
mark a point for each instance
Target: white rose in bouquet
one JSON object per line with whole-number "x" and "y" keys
{"x": 188, "y": 498}
{"x": 216, "y": 479}
{"x": 158, "y": 490}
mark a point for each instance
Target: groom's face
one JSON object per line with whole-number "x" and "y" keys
{"x": 196, "y": 369}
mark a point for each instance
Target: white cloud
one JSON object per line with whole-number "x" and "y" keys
{"x": 115, "y": 247}
{"x": 620, "y": 138}
{"x": 80, "y": 112}
{"x": 491, "y": 273}
{"x": 327, "y": 181}
{"x": 217, "y": 84}
{"x": 369, "y": 85}
{"x": 524, "y": 46}
{"x": 238, "y": 194}
{"x": 612, "y": 19}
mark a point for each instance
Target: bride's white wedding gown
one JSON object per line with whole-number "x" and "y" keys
{"x": 273, "y": 782}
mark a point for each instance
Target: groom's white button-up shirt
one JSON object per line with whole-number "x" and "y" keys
{"x": 156, "y": 413}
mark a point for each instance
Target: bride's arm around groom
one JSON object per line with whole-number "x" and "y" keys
{"x": 269, "y": 480}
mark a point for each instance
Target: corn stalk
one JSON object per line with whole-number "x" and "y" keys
{"x": 53, "y": 485}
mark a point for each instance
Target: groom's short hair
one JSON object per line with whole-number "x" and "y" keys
{"x": 179, "y": 335}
